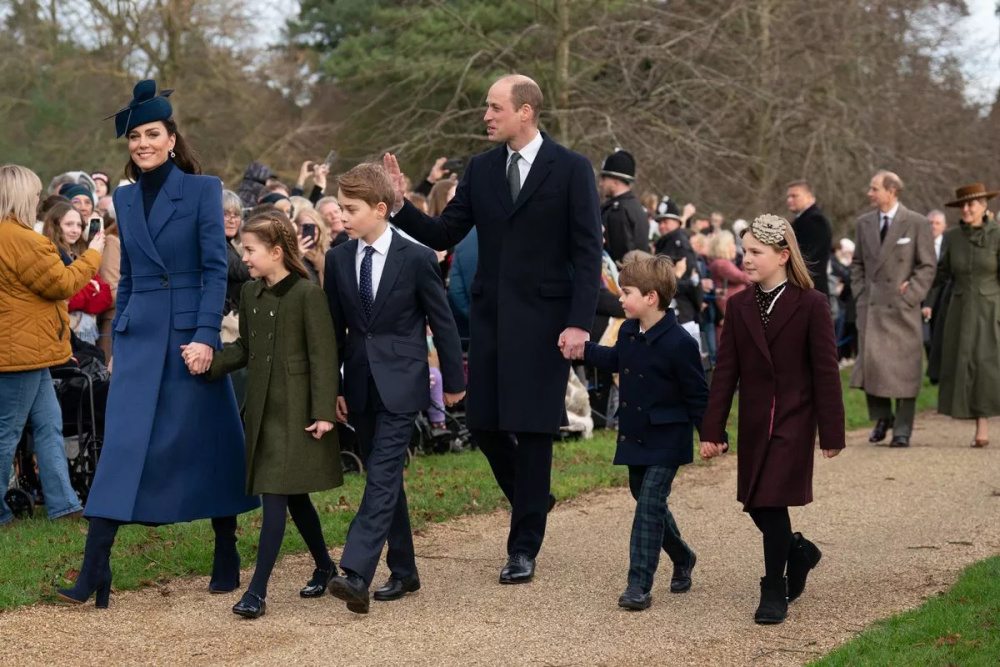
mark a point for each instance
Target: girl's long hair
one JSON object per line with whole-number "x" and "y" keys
{"x": 274, "y": 229}
{"x": 798, "y": 274}
{"x": 185, "y": 157}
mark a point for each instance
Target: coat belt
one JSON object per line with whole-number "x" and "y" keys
{"x": 164, "y": 281}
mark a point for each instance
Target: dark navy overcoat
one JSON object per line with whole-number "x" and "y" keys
{"x": 173, "y": 444}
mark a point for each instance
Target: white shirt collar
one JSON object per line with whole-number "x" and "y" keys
{"x": 891, "y": 213}
{"x": 381, "y": 244}
{"x": 530, "y": 151}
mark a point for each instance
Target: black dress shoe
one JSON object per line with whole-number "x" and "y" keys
{"x": 351, "y": 589}
{"x": 681, "y": 581}
{"x": 773, "y": 605}
{"x": 250, "y": 605}
{"x": 634, "y": 599}
{"x": 881, "y": 429}
{"x": 396, "y": 588}
{"x": 520, "y": 569}
{"x": 802, "y": 557}
{"x": 900, "y": 441}
{"x": 320, "y": 580}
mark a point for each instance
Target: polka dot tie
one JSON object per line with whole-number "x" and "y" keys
{"x": 365, "y": 287}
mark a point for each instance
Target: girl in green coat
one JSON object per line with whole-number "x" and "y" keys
{"x": 287, "y": 343}
{"x": 970, "y": 361}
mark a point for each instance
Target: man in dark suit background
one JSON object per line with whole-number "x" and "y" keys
{"x": 534, "y": 205}
{"x": 813, "y": 231}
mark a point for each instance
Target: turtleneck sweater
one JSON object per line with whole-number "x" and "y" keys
{"x": 151, "y": 182}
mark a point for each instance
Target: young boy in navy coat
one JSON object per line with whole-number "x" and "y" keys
{"x": 383, "y": 291}
{"x": 663, "y": 394}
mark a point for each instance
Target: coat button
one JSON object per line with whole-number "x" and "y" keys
{"x": 621, "y": 438}
{"x": 272, "y": 313}
{"x": 639, "y": 441}
{"x": 624, "y": 404}
{"x": 268, "y": 359}
{"x": 368, "y": 336}
{"x": 641, "y": 376}
{"x": 254, "y": 311}
{"x": 639, "y": 409}
{"x": 270, "y": 336}
{"x": 253, "y": 334}
{"x": 626, "y": 371}
{"x": 253, "y": 356}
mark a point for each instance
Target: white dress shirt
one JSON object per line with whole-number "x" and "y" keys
{"x": 937, "y": 246}
{"x": 528, "y": 155}
{"x": 891, "y": 214}
{"x": 381, "y": 246}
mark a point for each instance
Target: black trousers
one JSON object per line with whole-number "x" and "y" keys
{"x": 383, "y": 515}
{"x": 522, "y": 466}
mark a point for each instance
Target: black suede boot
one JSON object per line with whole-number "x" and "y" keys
{"x": 95, "y": 573}
{"x": 802, "y": 557}
{"x": 773, "y": 605}
{"x": 226, "y": 561}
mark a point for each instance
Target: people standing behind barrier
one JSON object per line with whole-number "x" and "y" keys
{"x": 970, "y": 344}
{"x": 314, "y": 241}
{"x": 813, "y": 231}
{"x": 777, "y": 347}
{"x": 329, "y": 208}
{"x": 892, "y": 271}
{"x": 729, "y": 280}
{"x": 34, "y": 287}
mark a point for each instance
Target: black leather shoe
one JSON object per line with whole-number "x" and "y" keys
{"x": 802, "y": 557}
{"x": 351, "y": 589}
{"x": 320, "y": 580}
{"x": 250, "y": 605}
{"x": 396, "y": 588}
{"x": 681, "y": 581}
{"x": 881, "y": 429}
{"x": 900, "y": 441}
{"x": 634, "y": 599}
{"x": 520, "y": 569}
{"x": 773, "y": 605}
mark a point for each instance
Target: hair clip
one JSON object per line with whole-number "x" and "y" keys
{"x": 769, "y": 229}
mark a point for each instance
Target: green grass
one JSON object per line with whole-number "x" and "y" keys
{"x": 961, "y": 627}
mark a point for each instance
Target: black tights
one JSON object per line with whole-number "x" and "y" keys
{"x": 272, "y": 532}
{"x": 776, "y": 527}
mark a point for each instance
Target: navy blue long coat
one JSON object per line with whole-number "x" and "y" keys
{"x": 173, "y": 445}
{"x": 539, "y": 272}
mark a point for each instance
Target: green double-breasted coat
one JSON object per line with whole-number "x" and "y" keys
{"x": 970, "y": 350}
{"x": 288, "y": 345}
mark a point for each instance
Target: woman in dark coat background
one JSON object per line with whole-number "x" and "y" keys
{"x": 173, "y": 449}
{"x": 778, "y": 347}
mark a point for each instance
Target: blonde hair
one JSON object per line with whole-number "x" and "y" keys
{"x": 798, "y": 274}
{"x": 322, "y": 226}
{"x": 722, "y": 245}
{"x": 300, "y": 203}
{"x": 274, "y": 229}
{"x": 18, "y": 188}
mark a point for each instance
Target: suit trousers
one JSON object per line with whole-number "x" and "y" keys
{"x": 653, "y": 527}
{"x": 906, "y": 410}
{"x": 522, "y": 466}
{"x": 383, "y": 515}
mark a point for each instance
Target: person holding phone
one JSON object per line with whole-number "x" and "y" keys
{"x": 314, "y": 241}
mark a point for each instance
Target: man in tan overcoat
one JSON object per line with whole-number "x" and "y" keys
{"x": 892, "y": 271}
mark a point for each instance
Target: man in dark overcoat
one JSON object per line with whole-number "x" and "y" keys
{"x": 813, "y": 232}
{"x": 534, "y": 205}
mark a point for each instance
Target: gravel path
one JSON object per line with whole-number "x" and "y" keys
{"x": 895, "y": 526}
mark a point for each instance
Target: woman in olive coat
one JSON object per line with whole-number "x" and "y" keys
{"x": 970, "y": 351}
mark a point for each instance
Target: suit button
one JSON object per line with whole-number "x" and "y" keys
{"x": 639, "y": 441}
{"x": 253, "y": 334}
{"x": 368, "y": 336}
{"x": 254, "y": 311}
{"x": 639, "y": 408}
{"x": 270, "y": 336}
{"x": 252, "y": 356}
{"x": 621, "y": 438}
{"x": 641, "y": 376}
{"x": 272, "y": 313}
{"x": 268, "y": 359}
{"x": 624, "y": 404}
{"x": 626, "y": 371}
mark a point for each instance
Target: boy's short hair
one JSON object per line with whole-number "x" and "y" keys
{"x": 370, "y": 183}
{"x": 652, "y": 274}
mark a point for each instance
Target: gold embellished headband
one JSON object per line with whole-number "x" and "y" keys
{"x": 769, "y": 229}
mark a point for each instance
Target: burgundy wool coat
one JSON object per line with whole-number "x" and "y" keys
{"x": 789, "y": 384}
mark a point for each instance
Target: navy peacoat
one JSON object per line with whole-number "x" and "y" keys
{"x": 173, "y": 444}
{"x": 539, "y": 272}
{"x": 662, "y": 391}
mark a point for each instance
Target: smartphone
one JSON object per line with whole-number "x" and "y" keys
{"x": 331, "y": 157}
{"x": 309, "y": 230}
{"x": 96, "y": 225}
{"x": 310, "y": 166}
{"x": 454, "y": 164}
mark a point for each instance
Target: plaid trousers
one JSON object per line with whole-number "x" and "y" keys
{"x": 653, "y": 527}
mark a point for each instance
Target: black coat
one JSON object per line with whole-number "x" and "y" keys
{"x": 677, "y": 245}
{"x": 539, "y": 273}
{"x": 237, "y": 273}
{"x": 815, "y": 236}
{"x": 626, "y": 226}
{"x": 662, "y": 391}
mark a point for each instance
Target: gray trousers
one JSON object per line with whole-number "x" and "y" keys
{"x": 906, "y": 410}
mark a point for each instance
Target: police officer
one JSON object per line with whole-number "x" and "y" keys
{"x": 676, "y": 245}
{"x": 626, "y": 226}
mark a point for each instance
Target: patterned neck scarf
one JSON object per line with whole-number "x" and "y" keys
{"x": 766, "y": 300}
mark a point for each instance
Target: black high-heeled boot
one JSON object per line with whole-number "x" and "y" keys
{"x": 95, "y": 573}
{"x": 226, "y": 561}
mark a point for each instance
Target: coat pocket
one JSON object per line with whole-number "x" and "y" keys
{"x": 298, "y": 366}
{"x": 661, "y": 416}
{"x": 404, "y": 348}
{"x": 185, "y": 321}
{"x": 122, "y": 325}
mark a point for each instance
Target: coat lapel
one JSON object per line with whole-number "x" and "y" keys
{"x": 782, "y": 312}
{"x": 164, "y": 207}
{"x": 394, "y": 261}
{"x": 498, "y": 176}
{"x": 134, "y": 219}
{"x": 751, "y": 314}
{"x": 540, "y": 170}
{"x": 349, "y": 277}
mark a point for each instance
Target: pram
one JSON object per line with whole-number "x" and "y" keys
{"x": 83, "y": 435}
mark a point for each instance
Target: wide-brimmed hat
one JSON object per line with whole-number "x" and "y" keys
{"x": 970, "y": 192}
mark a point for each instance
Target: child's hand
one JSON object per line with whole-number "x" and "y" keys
{"x": 830, "y": 453}
{"x": 341, "y": 410}
{"x": 710, "y": 450}
{"x": 452, "y": 399}
{"x": 320, "y": 428}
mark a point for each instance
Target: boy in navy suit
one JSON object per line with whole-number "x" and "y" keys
{"x": 663, "y": 394}
{"x": 383, "y": 290}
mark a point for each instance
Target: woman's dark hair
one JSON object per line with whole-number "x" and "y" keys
{"x": 53, "y": 230}
{"x": 185, "y": 157}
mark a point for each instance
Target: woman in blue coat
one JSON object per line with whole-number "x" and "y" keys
{"x": 173, "y": 448}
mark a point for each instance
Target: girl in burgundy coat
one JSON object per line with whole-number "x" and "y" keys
{"x": 778, "y": 347}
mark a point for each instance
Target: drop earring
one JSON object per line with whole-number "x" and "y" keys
{"x": 172, "y": 154}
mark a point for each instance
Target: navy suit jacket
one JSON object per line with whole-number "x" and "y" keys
{"x": 539, "y": 272}
{"x": 392, "y": 346}
{"x": 662, "y": 391}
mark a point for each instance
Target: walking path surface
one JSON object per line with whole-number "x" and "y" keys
{"x": 895, "y": 527}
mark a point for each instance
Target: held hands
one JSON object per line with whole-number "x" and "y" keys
{"x": 320, "y": 428}
{"x": 452, "y": 399}
{"x": 572, "y": 341}
{"x": 341, "y": 410}
{"x": 198, "y": 357}
{"x": 709, "y": 450}
{"x": 398, "y": 179}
